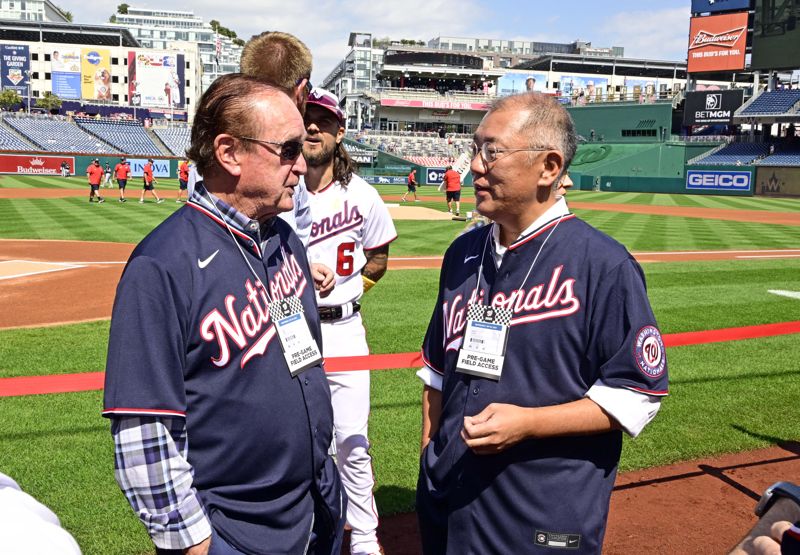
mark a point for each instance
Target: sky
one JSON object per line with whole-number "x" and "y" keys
{"x": 653, "y": 29}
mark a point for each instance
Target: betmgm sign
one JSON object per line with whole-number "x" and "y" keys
{"x": 704, "y": 107}
{"x": 724, "y": 180}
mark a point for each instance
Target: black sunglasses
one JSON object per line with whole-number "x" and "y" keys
{"x": 289, "y": 150}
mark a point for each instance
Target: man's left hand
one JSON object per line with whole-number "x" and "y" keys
{"x": 323, "y": 278}
{"x": 495, "y": 428}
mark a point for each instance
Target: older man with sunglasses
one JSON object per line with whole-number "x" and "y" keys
{"x": 222, "y": 425}
{"x": 541, "y": 350}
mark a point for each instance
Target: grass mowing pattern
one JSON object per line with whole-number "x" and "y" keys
{"x": 725, "y": 397}
{"x": 77, "y": 219}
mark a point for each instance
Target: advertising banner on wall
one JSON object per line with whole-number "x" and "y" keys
{"x": 95, "y": 74}
{"x": 578, "y": 87}
{"x": 776, "y": 35}
{"x": 715, "y": 6}
{"x": 155, "y": 79}
{"x": 706, "y": 107}
{"x": 160, "y": 167}
{"x": 718, "y": 180}
{"x": 65, "y": 70}
{"x": 16, "y": 61}
{"x": 34, "y": 164}
{"x": 778, "y": 182}
{"x": 517, "y": 82}
{"x": 717, "y": 42}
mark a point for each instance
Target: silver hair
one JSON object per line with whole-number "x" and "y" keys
{"x": 543, "y": 121}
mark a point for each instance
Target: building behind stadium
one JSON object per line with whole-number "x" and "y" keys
{"x": 147, "y": 64}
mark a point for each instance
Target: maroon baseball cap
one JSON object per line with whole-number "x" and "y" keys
{"x": 327, "y": 100}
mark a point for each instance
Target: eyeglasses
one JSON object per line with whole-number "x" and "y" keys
{"x": 289, "y": 150}
{"x": 489, "y": 152}
{"x": 309, "y": 86}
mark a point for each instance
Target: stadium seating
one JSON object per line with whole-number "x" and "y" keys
{"x": 176, "y": 138}
{"x": 57, "y": 135}
{"x": 129, "y": 137}
{"x": 772, "y": 102}
{"x": 9, "y": 141}
{"x": 785, "y": 155}
{"x": 415, "y": 145}
{"x": 736, "y": 153}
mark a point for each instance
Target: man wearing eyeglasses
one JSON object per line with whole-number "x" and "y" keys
{"x": 222, "y": 425}
{"x": 541, "y": 350}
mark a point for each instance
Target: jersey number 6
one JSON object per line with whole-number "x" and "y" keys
{"x": 344, "y": 258}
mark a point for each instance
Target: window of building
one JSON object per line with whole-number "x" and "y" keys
{"x": 115, "y": 97}
{"x": 126, "y": 98}
{"x": 114, "y": 61}
{"x": 47, "y": 76}
{"x": 114, "y": 79}
{"x": 36, "y": 94}
{"x": 34, "y": 56}
{"x": 188, "y": 83}
{"x": 35, "y": 75}
{"x": 47, "y": 57}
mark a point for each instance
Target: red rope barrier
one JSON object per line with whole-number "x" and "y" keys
{"x": 93, "y": 381}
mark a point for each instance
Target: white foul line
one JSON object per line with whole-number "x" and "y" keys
{"x": 772, "y": 256}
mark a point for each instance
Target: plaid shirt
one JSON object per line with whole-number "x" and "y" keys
{"x": 150, "y": 455}
{"x": 151, "y": 469}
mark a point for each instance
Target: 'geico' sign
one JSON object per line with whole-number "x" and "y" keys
{"x": 718, "y": 180}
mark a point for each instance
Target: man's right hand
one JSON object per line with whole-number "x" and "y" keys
{"x": 199, "y": 549}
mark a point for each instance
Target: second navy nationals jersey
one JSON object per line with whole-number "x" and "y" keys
{"x": 191, "y": 337}
{"x": 582, "y": 315}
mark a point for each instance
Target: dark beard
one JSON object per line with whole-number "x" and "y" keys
{"x": 322, "y": 157}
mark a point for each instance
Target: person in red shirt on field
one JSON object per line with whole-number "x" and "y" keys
{"x": 149, "y": 182}
{"x": 183, "y": 180}
{"x": 412, "y": 185}
{"x": 95, "y": 174}
{"x": 122, "y": 171}
{"x": 452, "y": 182}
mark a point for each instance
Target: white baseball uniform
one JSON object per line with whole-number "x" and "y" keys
{"x": 346, "y": 221}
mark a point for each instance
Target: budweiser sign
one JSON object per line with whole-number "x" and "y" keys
{"x": 717, "y": 43}
{"x": 40, "y": 165}
{"x": 727, "y": 39}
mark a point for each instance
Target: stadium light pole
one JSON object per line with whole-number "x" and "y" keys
{"x": 28, "y": 75}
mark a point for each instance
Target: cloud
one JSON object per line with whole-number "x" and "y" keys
{"x": 657, "y": 34}
{"x": 324, "y": 25}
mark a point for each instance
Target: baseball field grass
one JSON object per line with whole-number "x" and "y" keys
{"x": 725, "y": 397}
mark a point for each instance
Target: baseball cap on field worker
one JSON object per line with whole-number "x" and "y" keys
{"x": 327, "y": 100}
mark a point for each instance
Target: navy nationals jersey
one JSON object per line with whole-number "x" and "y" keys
{"x": 582, "y": 315}
{"x": 191, "y": 337}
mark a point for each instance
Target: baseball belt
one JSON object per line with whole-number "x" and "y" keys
{"x": 330, "y": 313}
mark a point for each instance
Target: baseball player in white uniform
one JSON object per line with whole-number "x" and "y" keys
{"x": 350, "y": 232}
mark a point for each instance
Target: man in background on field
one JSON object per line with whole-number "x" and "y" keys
{"x": 149, "y": 182}
{"x": 452, "y": 188}
{"x": 183, "y": 180}
{"x": 412, "y": 185}
{"x": 95, "y": 175}
{"x": 107, "y": 176}
{"x": 122, "y": 171}
{"x": 284, "y": 61}
{"x": 351, "y": 232}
